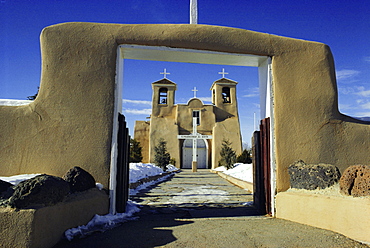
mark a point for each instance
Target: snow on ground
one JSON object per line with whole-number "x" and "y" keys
{"x": 100, "y": 223}
{"x": 241, "y": 171}
{"x": 11, "y": 102}
{"x": 104, "y": 222}
{"x": 139, "y": 171}
{"x": 18, "y": 178}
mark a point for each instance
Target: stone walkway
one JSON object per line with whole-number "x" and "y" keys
{"x": 203, "y": 210}
{"x": 194, "y": 191}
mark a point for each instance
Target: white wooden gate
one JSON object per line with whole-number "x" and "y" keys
{"x": 187, "y": 154}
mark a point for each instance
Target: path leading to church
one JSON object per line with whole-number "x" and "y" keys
{"x": 192, "y": 192}
{"x": 203, "y": 210}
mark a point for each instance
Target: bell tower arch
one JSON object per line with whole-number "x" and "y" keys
{"x": 163, "y": 98}
{"x": 224, "y": 95}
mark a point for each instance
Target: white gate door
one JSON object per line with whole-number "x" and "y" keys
{"x": 187, "y": 154}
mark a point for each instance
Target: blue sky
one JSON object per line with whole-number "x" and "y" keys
{"x": 342, "y": 24}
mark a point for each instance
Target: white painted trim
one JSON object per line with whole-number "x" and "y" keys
{"x": 270, "y": 109}
{"x": 264, "y": 87}
{"x": 156, "y": 53}
{"x": 162, "y": 53}
{"x": 114, "y": 146}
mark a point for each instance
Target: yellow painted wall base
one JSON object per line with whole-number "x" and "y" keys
{"x": 346, "y": 215}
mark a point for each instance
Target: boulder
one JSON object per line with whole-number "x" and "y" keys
{"x": 42, "y": 190}
{"x": 355, "y": 181}
{"x": 312, "y": 176}
{"x": 6, "y": 189}
{"x": 79, "y": 179}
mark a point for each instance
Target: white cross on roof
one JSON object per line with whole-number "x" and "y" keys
{"x": 223, "y": 73}
{"x": 195, "y": 92}
{"x": 165, "y": 73}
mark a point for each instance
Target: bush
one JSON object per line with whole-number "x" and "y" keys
{"x": 228, "y": 155}
{"x": 135, "y": 151}
{"x": 161, "y": 157}
{"x": 245, "y": 157}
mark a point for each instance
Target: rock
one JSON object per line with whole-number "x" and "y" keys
{"x": 79, "y": 179}
{"x": 6, "y": 189}
{"x": 355, "y": 181}
{"x": 312, "y": 176}
{"x": 42, "y": 190}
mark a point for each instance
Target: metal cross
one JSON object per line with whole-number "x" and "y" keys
{"x": 165, "y": 73}
{"x": 223, "y": 73}
{"x": 195, "y": 92}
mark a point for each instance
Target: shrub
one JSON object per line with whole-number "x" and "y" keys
{"x": 228, "y": 155}
{"x": 135, "y": 151}
{"x": 161, "y": 157}
{"x": 173, "y": 161}
{"x": 245, "y": 157}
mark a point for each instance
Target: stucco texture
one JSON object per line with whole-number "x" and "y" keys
{"x": 44, "y": 227}
{"x": 70, "y": 122}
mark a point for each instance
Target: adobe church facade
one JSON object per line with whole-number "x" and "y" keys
{"x": 215, "y": 122}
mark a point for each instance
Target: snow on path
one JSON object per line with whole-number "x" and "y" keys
{"x": 196, "y": 193}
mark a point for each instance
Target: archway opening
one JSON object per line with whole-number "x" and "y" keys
{"x": 261, "y": 64}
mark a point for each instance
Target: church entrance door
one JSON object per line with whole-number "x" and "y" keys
{"x": 187, "y": 154}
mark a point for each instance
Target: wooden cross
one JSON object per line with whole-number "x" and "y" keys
{"x": 223, "y": 73}
{"x": 195, "y": 92}
{"x": 194, "y": 136}
{"x": 165, "y": 73}
{"x": 193, "y": 12}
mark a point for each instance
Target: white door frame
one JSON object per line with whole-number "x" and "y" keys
{"x": 161, "y": 53}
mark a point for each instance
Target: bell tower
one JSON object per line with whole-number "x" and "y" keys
{"x": 224, "y": 95}
{"x": 163, "y": 98}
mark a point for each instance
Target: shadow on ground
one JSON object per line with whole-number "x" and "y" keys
{"x": 156, "y": 223}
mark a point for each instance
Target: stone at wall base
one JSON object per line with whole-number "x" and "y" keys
{"x": 44, "y": 227}
{"x": 355, "y": 181}
{"x": 312, "y": 176}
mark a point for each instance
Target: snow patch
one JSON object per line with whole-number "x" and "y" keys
{"x": 11, "y": 102}
{"x": 241, "y": 171}
{"x": 140, "y": 170}
{"x": 101, "y": 223}
{"x": 203, "y": 193}
{"x": 18, "y": 178}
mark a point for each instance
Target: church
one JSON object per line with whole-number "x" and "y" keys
{"x": 193, "y": 131}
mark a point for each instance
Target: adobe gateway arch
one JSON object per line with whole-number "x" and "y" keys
{"x": 73, "y": 119}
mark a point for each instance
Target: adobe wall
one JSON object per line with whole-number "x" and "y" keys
{"x": 142, "y": 134}
{"x": 70, "y": 123}
{"x": 45, "y": 227}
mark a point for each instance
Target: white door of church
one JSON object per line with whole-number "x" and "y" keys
{"x": 187, "y": 154}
